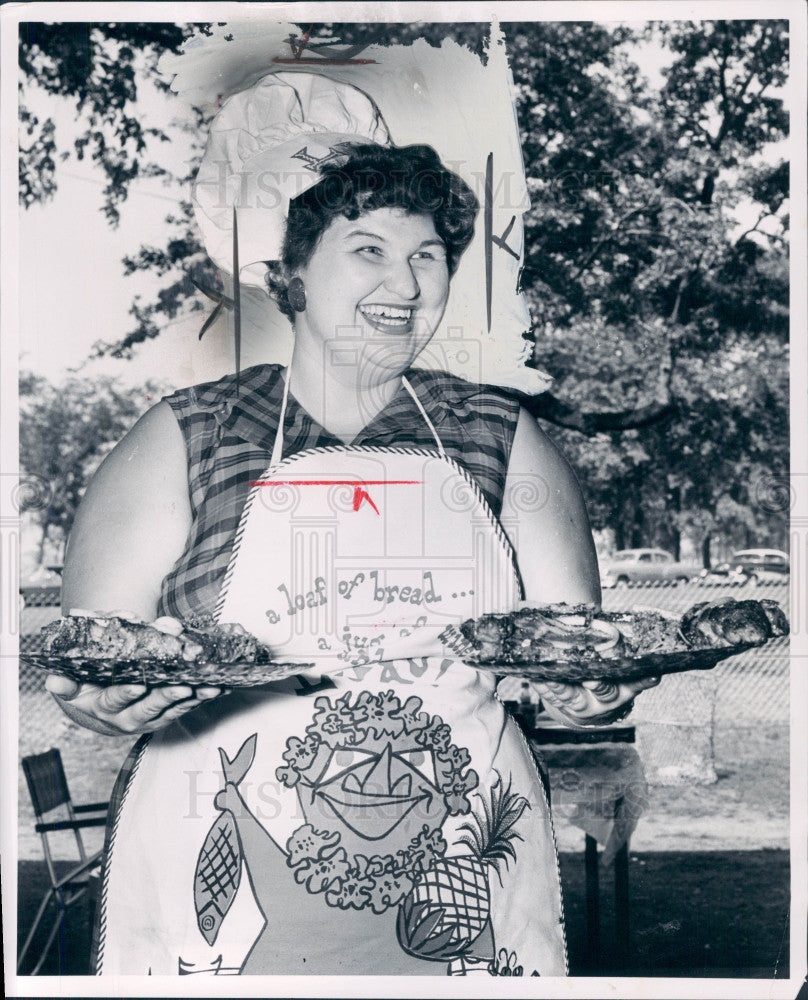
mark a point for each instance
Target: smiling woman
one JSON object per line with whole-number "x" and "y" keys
{"x": 387, "y": 283}
{"x": 411, "y": 179}
{"x": 395, "y": 823}
{"x": 368, "y": 255}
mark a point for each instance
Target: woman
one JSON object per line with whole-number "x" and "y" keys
{"x": 388, "y": 817}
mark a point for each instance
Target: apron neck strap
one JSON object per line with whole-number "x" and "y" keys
{"x": 277, "y": 447}
{"x": 424, "y": 414}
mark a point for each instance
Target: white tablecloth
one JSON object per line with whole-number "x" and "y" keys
{"x": 598, "y": 787}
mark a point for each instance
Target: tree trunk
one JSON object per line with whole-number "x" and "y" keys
{"x": 707, "y": 189}
{"x": 705, "y": 550}
{"x": 555, "y": 411}
{"x": 638, "y": 527}
{"x": 637, "y": 530}
{"x": 675, "y": 502}
{"x": 43, "y": 540}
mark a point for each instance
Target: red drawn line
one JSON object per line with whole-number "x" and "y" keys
{"x": 356, "y": 483}
{"x": 323, "y": 61}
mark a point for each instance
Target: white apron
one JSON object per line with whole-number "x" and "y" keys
{"x": 386, "y": 818}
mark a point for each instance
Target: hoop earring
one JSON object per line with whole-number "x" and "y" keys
{"x": 296, "y": 294}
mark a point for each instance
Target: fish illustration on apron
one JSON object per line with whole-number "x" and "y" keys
{"x": 377, "y": 814}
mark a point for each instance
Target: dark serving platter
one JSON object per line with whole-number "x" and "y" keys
{"x": 586, "y": 654}
{"x": 573, "y": 666}
{"x": 619, "y": 669}
{"x": 153, "y": 673}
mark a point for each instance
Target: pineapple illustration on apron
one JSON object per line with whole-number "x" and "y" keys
{"x": 378, "y": 814}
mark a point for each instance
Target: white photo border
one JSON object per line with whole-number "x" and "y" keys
{"x": 477, "y": 10}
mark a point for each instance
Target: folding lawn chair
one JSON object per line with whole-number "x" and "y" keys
{"x": 47, "y": 785}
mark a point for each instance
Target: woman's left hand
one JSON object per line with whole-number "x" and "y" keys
{"x": 591, "y": 703}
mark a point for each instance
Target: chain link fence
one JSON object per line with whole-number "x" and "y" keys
{"x": 751, "y": 688}
{"x": 91, "y": 761}
{"x": 676, "y": 721}
{"x": 39, "y": 714}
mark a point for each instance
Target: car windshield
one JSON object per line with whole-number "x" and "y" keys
{"x": 761, "y": 559}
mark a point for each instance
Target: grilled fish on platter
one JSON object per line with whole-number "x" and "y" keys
{"x": 567, "y": 643}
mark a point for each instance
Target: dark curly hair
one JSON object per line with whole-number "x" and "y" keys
{"x": 408, "y": 177}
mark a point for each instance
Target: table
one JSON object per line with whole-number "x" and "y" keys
{"x": 597, "y": 783}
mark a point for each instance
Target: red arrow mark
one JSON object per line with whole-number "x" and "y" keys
{"x": 336, "y": 482}
{"x": 360, "y": 494}
{"x": 359, "y": 497}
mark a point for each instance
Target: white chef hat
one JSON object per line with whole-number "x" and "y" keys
{"x": 267, "y": 145}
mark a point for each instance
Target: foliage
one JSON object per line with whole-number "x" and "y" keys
{"x": 65, "y": 432}
{"x": 665, "y": 326}
{"x": 649, "y": 303}
{"x": 96, "y": 66}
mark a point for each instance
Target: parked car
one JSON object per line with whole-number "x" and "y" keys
{"x": 723, "y": 575}
{"x": 762, "y": 565}
{"x": 749, "y": 566}
{"x": 644, "y": 566}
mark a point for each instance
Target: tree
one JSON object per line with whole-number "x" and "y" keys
{"x": 65, "y": 432}
{"x": 665, "y": 326}
{"x": 97, "y": 67}
{"x": 668, "y": 329}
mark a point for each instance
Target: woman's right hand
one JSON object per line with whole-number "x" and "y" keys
{"x": 125, "y": 709}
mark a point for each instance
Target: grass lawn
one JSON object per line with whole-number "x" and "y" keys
{"x": 693, "y": 914}
{"x": 708, "y": 871}
{"x": 698, "y": 913}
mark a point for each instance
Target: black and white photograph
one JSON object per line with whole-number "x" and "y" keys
{"x": 404, "y": 499}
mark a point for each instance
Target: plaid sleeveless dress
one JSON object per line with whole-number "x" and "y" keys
{"x": 229, "y": 441}
{"x": 379, "y": 814}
